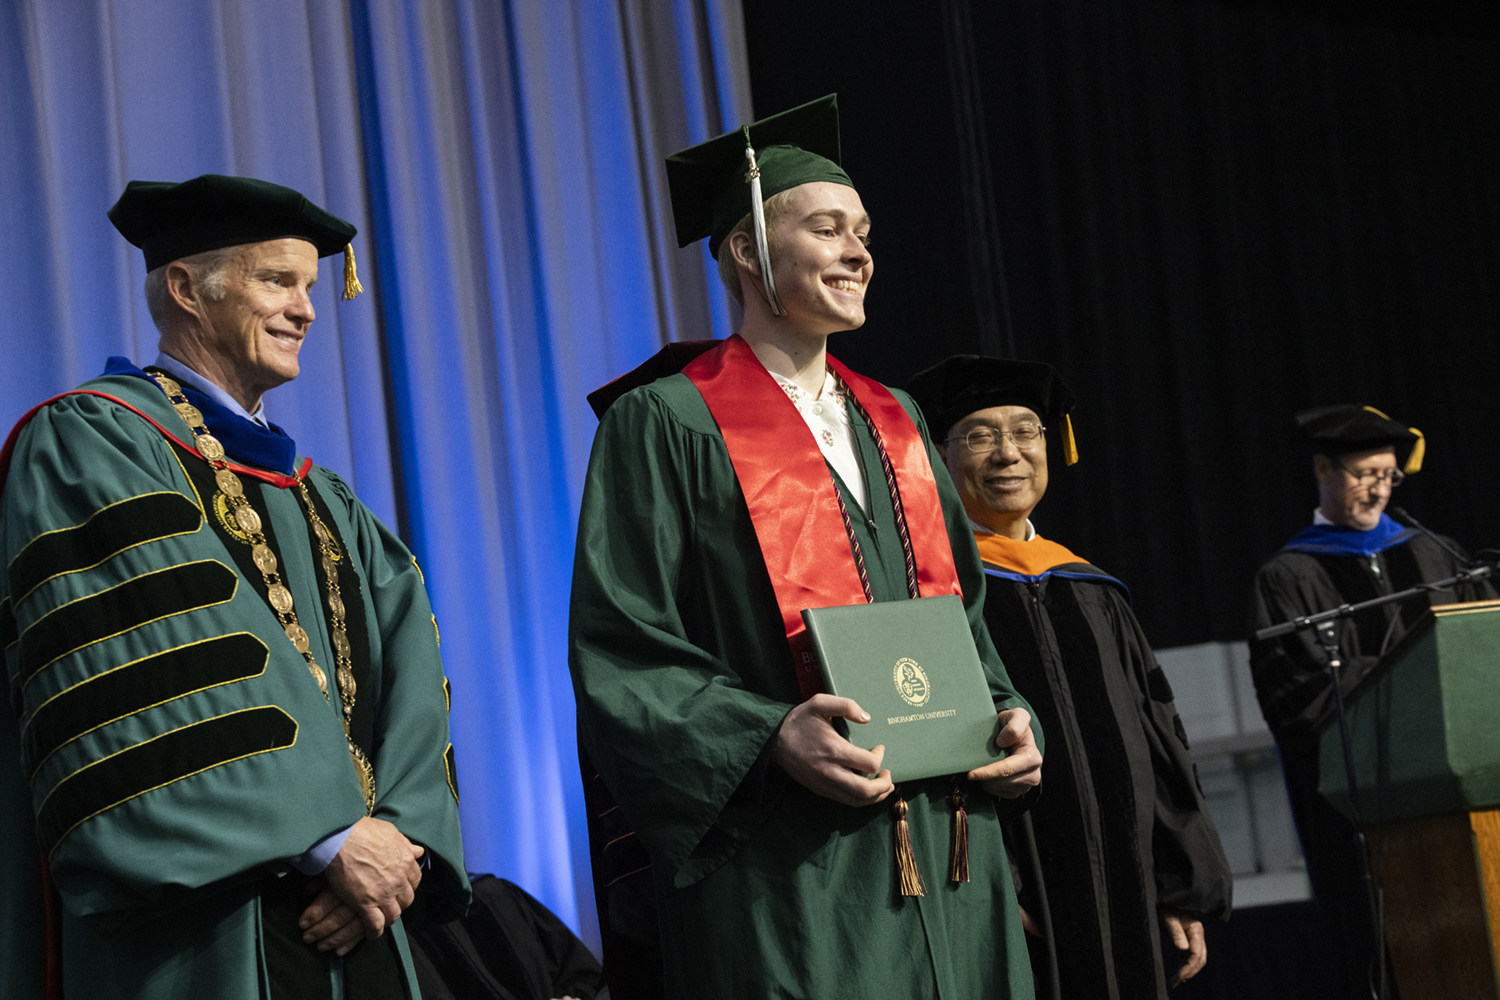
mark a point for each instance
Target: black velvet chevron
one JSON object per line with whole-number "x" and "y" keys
{"x": 160, "y": 761}
{"x": 135, "y": 602}
{"x": 109, "y": 532}
{"x": 136, "y": 686}
{"x": 7, "y": 623}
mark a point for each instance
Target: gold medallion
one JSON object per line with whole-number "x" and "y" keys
{"x": 280, "y": 597}
{"x": 191, "y": 415}
{"x": 298, "y": 635}
{"x": 168, "y": 384}
{"x": 209, "y": 447}
{"x": 318, "y": 676}
{"x": 265, "y": 559}
{"x": 231, "y": 526}
{"x": 341, "y": 643}
{"x": 248, "y": 519}
{"x": 321, "y": 530}
{"x": 346, "y": 683}
{"x": 336, "y": 604}
{"x": 330, "y": 567}
{"x": 229, "y": 484}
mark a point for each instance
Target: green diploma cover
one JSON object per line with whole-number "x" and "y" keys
{"x": 912, "y": 665}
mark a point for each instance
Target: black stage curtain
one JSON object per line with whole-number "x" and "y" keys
{"x": 1208, "y": 216}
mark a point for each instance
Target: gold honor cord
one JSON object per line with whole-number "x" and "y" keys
{"x": 277, "y": 595}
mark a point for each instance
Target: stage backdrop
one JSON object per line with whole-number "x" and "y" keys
{"x": 503, "y": 162}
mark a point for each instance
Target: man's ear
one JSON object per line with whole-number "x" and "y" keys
{"x": 1322, "y": 466}
{"x": 742, "y": 247}
{"x": 182, "y": 287}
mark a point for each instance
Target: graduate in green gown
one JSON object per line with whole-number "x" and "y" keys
{"x": 230, "y": 746}
{"x": 763, "y": 478}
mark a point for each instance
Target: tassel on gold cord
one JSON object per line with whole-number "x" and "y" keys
{"x": 906, "y": 861}
{"x": 1070, "y": 444}
{"x": 958, "y": 857}
{"x": 352, "y": 287}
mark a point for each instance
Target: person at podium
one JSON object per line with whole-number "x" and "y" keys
{"x": 1353, "y": 551}
{"x": 1120, "y": 853}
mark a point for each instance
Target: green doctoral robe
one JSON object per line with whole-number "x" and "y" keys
{"x": 170, "y": 750}
{"x": 683, "y": 675}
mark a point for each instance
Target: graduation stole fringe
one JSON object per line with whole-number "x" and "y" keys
{"x": 906, "y": 861}
{"x": 958, "y": 855}
{"x": 793, "y": 502}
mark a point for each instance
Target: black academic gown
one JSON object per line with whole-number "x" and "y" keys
{"x": 1292, "y": 686}
{"x": 1121, "y": 826}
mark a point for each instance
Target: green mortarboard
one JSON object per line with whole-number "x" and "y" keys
{"x": 1344, "y": 427}
{"x": 710, "y": 189}
{"x": 958, "y": 386}
{"x": 170, "y": 221}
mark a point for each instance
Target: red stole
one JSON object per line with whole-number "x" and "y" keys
{"x": 792, "y": 498}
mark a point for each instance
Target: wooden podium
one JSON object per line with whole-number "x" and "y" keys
{"x": 1425, "y": 730}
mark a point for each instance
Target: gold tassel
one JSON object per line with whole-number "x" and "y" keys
{"x": 352, "y": 287}
{"x": 958, "y": 860}
{"x": 1418, "y": 452}
{"x": 1070, "y": 445}
{"x": 906, "y": 861}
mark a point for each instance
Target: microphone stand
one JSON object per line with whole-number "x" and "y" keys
{"x": 1325, "y": 625}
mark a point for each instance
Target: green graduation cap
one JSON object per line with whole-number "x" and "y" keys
{"x": 169, "y": 221}
{"x": 717, "y": 183}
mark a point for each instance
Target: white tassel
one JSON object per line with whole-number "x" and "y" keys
{"x": 758, "y": 211}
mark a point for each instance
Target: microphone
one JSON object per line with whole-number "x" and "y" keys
{"x": 1400, "y": 514}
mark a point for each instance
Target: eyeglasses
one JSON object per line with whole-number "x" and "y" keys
{"x": 986, "y": 439}
{"x": 1369, "y": 477}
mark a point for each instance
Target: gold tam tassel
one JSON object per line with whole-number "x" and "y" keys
{"x": 1070, "y": 445}
{"x": 958, "y": 860}
{"x": 352, "y": 287}
{"x": 906, "y": 861}
{"x": 1418, "y": 452}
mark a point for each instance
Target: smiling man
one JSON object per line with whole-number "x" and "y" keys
{"x": 722, "y": 499}
{"x": 233, "y": 743}
{"x": 1121, "y": 849}
{"x": 1353, "y": 551}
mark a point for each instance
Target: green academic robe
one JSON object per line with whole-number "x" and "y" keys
{"x": 683, "y": 675}
{"x": 170, "y": 749}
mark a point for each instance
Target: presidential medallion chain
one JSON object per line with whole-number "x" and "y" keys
{"x": 278, "y": 596}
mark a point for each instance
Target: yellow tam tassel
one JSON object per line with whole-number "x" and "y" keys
{"x": 352, "y": 287}
{"x": 958, "y": 855}
{"x": 1069, "y": 443}
{"x": 1418, "y": 452}
{"x": 906, "y": 861}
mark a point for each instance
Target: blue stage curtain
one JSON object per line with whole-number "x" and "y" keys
{"x": 503, "y": 162}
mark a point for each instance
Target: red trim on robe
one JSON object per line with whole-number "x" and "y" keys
{"x": 277, "y": 479}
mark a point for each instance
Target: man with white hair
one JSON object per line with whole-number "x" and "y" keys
{"x": 231, "y": 741}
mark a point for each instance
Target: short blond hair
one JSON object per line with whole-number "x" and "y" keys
{"x": 729, "y": 272}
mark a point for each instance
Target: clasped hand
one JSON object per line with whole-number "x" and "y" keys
{"x": 810, "y": 749}
{"x": 370, "y": 881}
